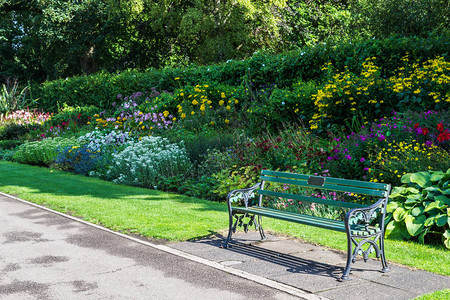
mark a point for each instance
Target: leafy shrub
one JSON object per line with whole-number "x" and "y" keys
{"x": 282, "y": 107}
{"x": 80, "y": 115}
{"x": 293, "y": 149}
{"x": 9, "y": 144}
{"x": 282, "y": 69}
{"x": 144, "y": 162}
{"x": 420, "y": 209}
{"x": 399, "y": 158}
{"x": 77, "y": 159}
{"x": 348, "y": 98}
{"x": 197, "y": 145}
{"x": 42, "y": 152}
{"x": 12, "y": 98}
{"x": 200, "y": 187}
{"x": 14, "y": 131}
{"x": 106, "y": 140}
{"x": 27, "y": 116}
{"x": 229, "y": 180}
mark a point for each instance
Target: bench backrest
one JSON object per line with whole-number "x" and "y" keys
{"x": 380, "y": 190}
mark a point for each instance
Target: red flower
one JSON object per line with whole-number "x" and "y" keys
{"x": 440, "y": 127}
{"x": 444, "y": 136}
{"x": 425, "y": 131}
{"x": 416, "y": 125}
{"x": 79, "y": 116}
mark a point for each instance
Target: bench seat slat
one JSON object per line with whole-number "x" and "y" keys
{"x": 326, "y": 186}
{"x": 335, "y": 225}
{"x": 350, "y": 182}
{"x": 311, "y": 199}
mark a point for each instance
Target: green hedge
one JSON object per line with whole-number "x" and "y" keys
{"x": 283, "y": 70}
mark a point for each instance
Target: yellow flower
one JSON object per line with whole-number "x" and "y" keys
{"x": 202, "y": 108}
{"x": 213, "y": 123}
{"x": 174, "y": 119}
{"x": 222, "y": 95}
{"x": 165, "y": 113}
{"x": 192, "y": 112}
{"x": 235, "y": 101}
{"x": 417, "y": 91}
{"x": 228, "y": 107}
{"x": 183, "y": 115}
{"x": 143, "y": 127}
{"x": 195, "y": 102}
{"x": 221, "y": 102}
{"x": 177, "y": 78}
{"x": 227, "y": 121}
{"x": 181, "y": 94}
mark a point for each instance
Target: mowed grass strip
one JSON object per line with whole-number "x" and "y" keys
{"x": 174, "y": 217}
{"x": 124, "y": 208}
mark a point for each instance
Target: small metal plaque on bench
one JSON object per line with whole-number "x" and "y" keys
{"x": 319, "y": 181}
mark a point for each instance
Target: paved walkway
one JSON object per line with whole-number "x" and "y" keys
{"x": 44, "y": 255}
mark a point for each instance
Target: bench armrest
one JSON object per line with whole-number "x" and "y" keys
{"x": 365, "y": 215}
{"x": 246, "y": 193}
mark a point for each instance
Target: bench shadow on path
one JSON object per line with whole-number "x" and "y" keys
{"x": 293, "y": 264}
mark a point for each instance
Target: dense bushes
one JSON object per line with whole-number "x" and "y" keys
{"x": 420, "y": 209}
{"x": 283, "y": 70}
{"x": 347, "y": 98}
{"x": 43, "y": 152}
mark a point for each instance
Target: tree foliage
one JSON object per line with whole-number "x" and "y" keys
{"x": 49, "y": 39}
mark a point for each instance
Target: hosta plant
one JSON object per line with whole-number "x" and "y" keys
{"x": 420, "y": 209}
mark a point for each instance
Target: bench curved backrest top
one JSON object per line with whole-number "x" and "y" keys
{"x": 325, "y": 183}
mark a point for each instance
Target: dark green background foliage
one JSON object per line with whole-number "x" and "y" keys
{"x": 283, "y": 70}
{"x": 46, "y": 40}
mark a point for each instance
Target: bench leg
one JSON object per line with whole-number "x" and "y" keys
{"x": 345, "y": 276}
{"x": 383, "y": 256}
{"x": 261, "y": 230}
{"x": 230, "y": 232}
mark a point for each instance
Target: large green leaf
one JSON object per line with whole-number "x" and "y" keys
{"x": 392, "y": 206}
{"x": 416, "y": 211}
{"x": 436, "y": 176}
{"x": 414, "y": 225}
{"x": 430, "y": 221}
{"x": 421, "y": 178}
{"x": 394, "y": 230}
{"x": 443, "y": 199}
{"x": 446, "y": 237}
{"x": 441, "y": 220}
{"x": 422, "y": 236}
{"x": 406, "y": 178}
{"x": 435, "y": 205}
{"x": 396, "y": 192}
{"x": 400, "y": 214}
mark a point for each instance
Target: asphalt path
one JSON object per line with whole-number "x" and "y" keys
{"x": 44, "y": 255}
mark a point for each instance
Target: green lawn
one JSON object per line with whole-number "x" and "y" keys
{"x": 173, "y": 217}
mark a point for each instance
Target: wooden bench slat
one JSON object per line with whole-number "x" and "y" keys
{"x": 292, "y": 218}
{"x": 311, "y": 199}
{"x": 326, "y": 186}
{"x": 335, "y": 225}
{"x": 333, "y": 180}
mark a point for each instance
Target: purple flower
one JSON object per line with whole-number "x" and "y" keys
{"x": 348, "y": 157}
{"x": 366, "y": 169}
{"x": 381, "y": 137}
{"x": 362, "y": 159}
{"x": 428, "y": 143}
{"x": 330, "y": 158}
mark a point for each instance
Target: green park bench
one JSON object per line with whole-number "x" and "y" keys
{"x": 363, "y": 223}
